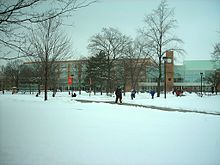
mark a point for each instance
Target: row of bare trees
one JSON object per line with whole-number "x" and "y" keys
{"x": 45, "y": 43}
{"x": 31, "y": 29}
{"x": 13, "y": 73}
{"x": 18, "y": 16}
{"x": 153, "y": 41}
{"x": 118, "y": 59}
{"x": 112, "y": 51}
{"x": 27, "y": 76}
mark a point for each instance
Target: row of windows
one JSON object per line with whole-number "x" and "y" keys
{"x": 151, "y": 74}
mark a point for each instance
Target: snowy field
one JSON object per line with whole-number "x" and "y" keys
{"x": 62, "y": 131}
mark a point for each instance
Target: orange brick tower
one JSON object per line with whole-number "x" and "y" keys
{"x": 169, "y": 71}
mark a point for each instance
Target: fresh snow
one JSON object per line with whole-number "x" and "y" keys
{"x": 189, "y": 101}
{"x": 63, "y": 131}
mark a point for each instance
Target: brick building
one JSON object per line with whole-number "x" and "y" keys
{"x": 144, "y": 78}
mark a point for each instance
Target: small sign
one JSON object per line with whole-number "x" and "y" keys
{"x": 70, "y": 80}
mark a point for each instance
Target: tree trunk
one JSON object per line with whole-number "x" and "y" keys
{"x": 17, "y": 80}
{"x": 46, "y": 79}
{"x": 159, "y": 78}
{"x": 39, "y": 88}
{"x": 124, "y": 88}
{"x": 101, "y": 88}
{"x": 45, "y": 86}
{"x": 109, "y": 81}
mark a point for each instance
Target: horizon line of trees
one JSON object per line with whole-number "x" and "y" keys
{"x": 116, "y": 59}
{"x": 152, "y": 42}
{"x": 32, "y": 29}
{"x": 18, "y": 74}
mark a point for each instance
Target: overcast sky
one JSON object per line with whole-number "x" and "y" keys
{"x": 198, "y": 22}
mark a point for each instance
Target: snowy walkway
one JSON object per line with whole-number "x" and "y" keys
{"x": 151, "y": 107}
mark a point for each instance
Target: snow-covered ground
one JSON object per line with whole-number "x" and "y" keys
{"x": 191, "y": 101}
{"x": 62, "y": 131}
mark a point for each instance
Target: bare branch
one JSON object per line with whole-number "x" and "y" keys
{"x": 20, "y": 15}
{"x": 49, "y": 45}
{"x": 158, "y": 32}
{"x": 113, "y": 44}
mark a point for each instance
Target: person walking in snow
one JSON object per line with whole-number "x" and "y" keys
{"x": 152, "y": 92}
{"x": 74, "y": 94}
{"x": 133, "y": 92}
{"x": 118, "y": 94}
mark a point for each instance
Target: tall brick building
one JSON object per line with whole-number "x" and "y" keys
{"x": 169, "y": 64}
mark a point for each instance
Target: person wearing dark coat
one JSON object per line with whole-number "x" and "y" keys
{"x": 74, "y": 94}
{"x": 152, "y": 92}
{"x": 118, "y": 94}
{"x": 133, "y": 92}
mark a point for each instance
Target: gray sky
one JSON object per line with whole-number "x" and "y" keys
{"x": 198, "y": 22}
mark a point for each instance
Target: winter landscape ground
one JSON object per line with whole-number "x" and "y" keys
{"x": 64, "y": 131}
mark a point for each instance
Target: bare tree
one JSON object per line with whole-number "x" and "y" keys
{"x": 214, "y": 79}
{"x": 12, "y": 71}
{"x": 137, "y": 56}
{"x": 112, "y": 43}
{"x": 48, "y": 46}
{"x": 216, "y": 56}
{"x": 15, "y": 15}
{"x": 160, "y": 35}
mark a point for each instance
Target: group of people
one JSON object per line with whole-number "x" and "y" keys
{"x": 177, "y": 92}
{"x": 118, "y": 93}
{"x": 73, "y": 94}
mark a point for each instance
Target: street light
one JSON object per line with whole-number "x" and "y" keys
{"x": 72, "y": 84}
{"x": 165, "y": 77}
{"x": 201, "y": 83}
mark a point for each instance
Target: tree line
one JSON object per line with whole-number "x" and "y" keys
{"x": 116, "y": 59}
{"x": 31, "y": 29}
{"x": 152, "y": 42}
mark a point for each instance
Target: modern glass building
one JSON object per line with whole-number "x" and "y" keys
{"x": 188, "y": 75}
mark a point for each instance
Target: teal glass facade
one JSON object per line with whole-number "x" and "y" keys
{"x": 186, "y": 76}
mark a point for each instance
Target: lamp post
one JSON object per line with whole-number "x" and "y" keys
{"x": 165, "y": 77}
{"x": 72, "y": 85}
{"x": 90, "y": 86}
{"x": 201, "y": 74}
